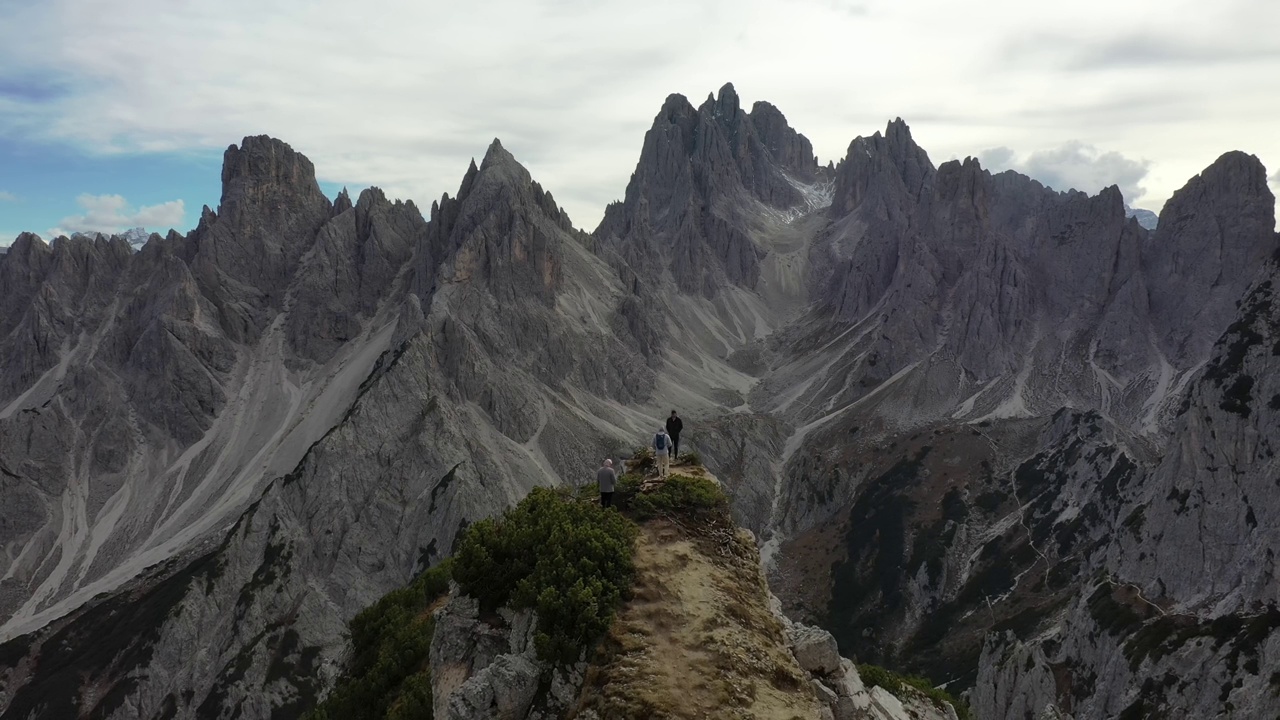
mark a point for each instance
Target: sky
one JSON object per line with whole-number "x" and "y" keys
{"x": 115, "y": 113}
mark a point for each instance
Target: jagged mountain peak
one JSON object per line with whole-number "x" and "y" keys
{"x": 263, "y": 168}
{"x": 501, "y": 174}
{"x": 700, "y": 173}
{"x": 269, "y": 216}
{"x": 677, "y": 106}
{"x": 1234, "y": 174}
{"x": 727, "y": 105}
{"x": 881, "y": 166}
{"x": 500, "y": 166}
{"x": 370, "y": 196}
{"x": 342, "y": 203}
{"x": 496, "y": 154}
{"x": 25, "y": 244}
{"x": 969, "y": 308}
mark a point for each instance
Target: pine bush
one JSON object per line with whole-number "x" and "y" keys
{"x": 387, "y": 676}
{"x": 570, "y": 561}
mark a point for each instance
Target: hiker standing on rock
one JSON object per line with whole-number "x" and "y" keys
{"x": 674, "y": 426}
{"x": 605, "y": 478}
{"x": 662, "y": 451}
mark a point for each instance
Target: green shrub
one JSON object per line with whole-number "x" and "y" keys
{"x": 628, "y": 484}
{"x": 570, "y": 561}
{"x": 876, "y": 676}
{"x": 679, "y": 494}
{"x": 643, "y": 462}
{"x": 690, "y": 458}
{"x": 387, "y": 676}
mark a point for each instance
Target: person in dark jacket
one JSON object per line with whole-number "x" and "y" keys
{"x": 605, "y": 478}
{"x": 674, "y": 426}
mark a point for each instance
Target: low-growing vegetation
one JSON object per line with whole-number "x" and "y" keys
{"x": 388, "y": 676}
{"x": 680, "y": 494}
{"x": 575, "y": 580}
{"x": 690, "y": 458}
{"x": 876, "y": 676}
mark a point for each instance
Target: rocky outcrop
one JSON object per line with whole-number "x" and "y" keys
{"x": 839, "y": 685}
{"x": 479, "y": 671}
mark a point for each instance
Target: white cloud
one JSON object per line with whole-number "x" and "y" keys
{"x": 8, "y": 197}
{"x": 112, "y": 214}
{"x": 1075, "y": 166}
{"x": 405, "y": 97}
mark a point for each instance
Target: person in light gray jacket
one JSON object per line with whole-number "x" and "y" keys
{"x": 662, "y": 451}
{"x": 605, "y": 478}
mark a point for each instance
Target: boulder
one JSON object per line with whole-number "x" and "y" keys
{"x": 502, "y": 691}
{"x": 815, "y": 649}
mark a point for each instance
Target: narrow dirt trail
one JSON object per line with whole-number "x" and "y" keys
{"x": 697, "y": 639}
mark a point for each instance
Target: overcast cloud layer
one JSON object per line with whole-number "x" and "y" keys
{"x": 403, "y": 93}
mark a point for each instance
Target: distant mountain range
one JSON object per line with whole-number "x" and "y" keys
{"x": 1008, "y": 438}
{"x": 1146, "y": 218}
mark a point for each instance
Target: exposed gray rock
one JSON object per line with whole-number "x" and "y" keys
{"x": 503, "y": 690}
{"x": 826, "y": 695}
{"x": 690, "y": 204}
{"x": 814, "y": 648}
{"x": 985, "y": 402}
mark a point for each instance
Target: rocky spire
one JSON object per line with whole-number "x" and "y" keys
{"x": 264, "y": 177}
{"x": 1212, "y": 237}
{"x": 881, "y": 167}
{"x": 695, "y": 167}
{"x": 342, "y": 203}
{"x": 270, "y": 213}
{"x": 501, "y": 231}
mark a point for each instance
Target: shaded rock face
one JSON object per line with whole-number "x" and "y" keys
{"x": 139, "y": 408}
{"x": 520, "y": 302}
{"x": 1213, "y": 235}
{"x": 996, "y": 290}
{"x": 357, "y": 255}
{"x": 270, "y": 212}
{"x": 1203, "y": 542}
{"x": 691, "y": 205}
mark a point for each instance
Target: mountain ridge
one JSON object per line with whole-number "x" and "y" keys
{"x": 351, "y": 384}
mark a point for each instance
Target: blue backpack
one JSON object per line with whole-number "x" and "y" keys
{"x": 660, "y": 441}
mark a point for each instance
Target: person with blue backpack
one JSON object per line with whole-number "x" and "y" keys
{"x": 662, "y": 451}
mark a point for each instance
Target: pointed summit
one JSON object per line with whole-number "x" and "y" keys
{"x": 497, "y": 153}
{"x": 468, "y": 179}
{"x": 498, "y": 161}
{"x": 342, "y": 203}
{"x": 727, "y": 105}
{"x": 875, "y": 165}
{"x": 1211, "y": 237}
{"x": 696, "y": 169}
